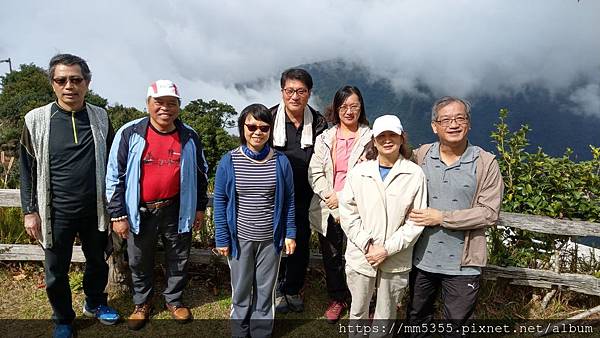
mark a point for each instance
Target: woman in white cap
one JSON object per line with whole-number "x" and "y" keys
{"x": 374, "y": 206}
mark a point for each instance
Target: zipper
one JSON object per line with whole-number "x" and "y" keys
{"x": 74, "y": 129}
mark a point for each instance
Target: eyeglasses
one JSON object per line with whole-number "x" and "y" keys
{"x": 353, "y": 108}
{"x": 446, "y": 122}
{"x": 62, "y": 81}
{"x": 291, "y": 91}
{"x": 252, "y": 128}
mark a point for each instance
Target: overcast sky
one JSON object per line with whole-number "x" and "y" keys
{"x": 458, "y": 47}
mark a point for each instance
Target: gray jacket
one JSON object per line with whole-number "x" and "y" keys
{"x": 37, "y": 124}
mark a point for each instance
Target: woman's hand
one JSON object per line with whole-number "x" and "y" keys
{"x": 376, "y": 254}
{"x": 224, "y": 251}
{"x": 332, "y": 201}
{"x": 290, "y": 246}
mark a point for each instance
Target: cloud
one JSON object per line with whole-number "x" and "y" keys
{"x": 453, "y": 47}
{"x": 586, "y": 100}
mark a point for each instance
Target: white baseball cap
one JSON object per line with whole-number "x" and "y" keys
{"x": 387, "y": 123}
{"x": 163, "y": 88}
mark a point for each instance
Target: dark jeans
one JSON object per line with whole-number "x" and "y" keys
{"x": 292, "y": 270}
{"x": 332, "y": 249}
{"x": 141, "y": 249}
{"x": 58, "y": 259}
{"x": 459, "y": 296}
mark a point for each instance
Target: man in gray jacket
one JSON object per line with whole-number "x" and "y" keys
{"x": 63, "y": 162}
{"x": 465, "y": 193}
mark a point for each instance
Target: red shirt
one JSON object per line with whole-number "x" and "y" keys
{"x": 160, "y": 165}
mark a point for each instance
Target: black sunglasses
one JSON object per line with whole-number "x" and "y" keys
{"x": 252, "y": 128}
{"x": 61, "y": 81}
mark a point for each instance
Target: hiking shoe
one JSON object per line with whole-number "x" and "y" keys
{"x": 63, "y": 331}
{"x": 139, "y": 317}
{"x": 281, "y": 305}
{"x": 105, "y": 314}
{"x": 180, "y": 313}
{"x": 295, "y": 303}
{"x": 334, "y": 311}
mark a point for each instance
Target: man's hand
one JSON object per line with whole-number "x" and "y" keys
{"x": 121, "y": 228}
{"x": 224, "y": 251}
{"x": 290, "y": 246}
{"x": 376, "y": 254}
{"x": 199, "y": 221}
{"x": 33, "y": 225}
{"x": 426, "y": 217}
{"x": 332, "y": 201}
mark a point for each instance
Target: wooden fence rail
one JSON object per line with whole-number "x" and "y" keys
{"x": 519, "y": 276}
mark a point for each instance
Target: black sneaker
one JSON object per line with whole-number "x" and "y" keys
{"x": 295, "y": 303}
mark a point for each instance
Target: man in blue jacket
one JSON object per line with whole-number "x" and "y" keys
{"x": 156, "y": 187}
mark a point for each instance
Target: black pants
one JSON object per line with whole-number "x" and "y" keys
{"x": 58, "y": 259}
{"x": 459, "y": 296}
{"x": 332, "y": 249}
{"x": 292, "y": 270}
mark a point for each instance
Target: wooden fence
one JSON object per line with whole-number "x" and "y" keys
{"x": 519, "y": 276}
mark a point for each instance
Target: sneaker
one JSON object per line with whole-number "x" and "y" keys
{"x": 139, "y": 317}
{"x": 334, "y": 311}
{"x": 63, "y": 331}
{"x": 295, "y": 303}
{"x": 180, "y": 313}
{"x": 281, "y": 305}
{"x": 105, "y": 314}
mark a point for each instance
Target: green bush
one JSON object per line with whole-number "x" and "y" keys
{"x": 538, "y": 184}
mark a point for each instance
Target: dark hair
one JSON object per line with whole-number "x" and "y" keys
{"x": 297, "y": 74}
{"x": 446, "y": 100}
{"x": 340, "y": 96}
{"x": 260, "y": 113}
{"x": 69, "y": 60}
{"x": 371, "y": 153}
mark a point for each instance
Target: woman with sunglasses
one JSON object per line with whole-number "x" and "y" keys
{"x": 254, "y": 221}
{"x": 337, "y": 150}
{"x": 374, "y": 207}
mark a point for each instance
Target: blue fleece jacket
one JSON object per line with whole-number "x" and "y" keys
{"x": 225, "y": 209}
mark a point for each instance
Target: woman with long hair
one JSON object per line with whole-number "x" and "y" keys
{"x": 376, "y": 201}
{"x": 254, "y": 221}
{"x": 337, "y": 150}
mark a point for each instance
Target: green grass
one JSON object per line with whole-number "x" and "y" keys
{"x": 208, "y": 295}
{"x": 12, "y": 230}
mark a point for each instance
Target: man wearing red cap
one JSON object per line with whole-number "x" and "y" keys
{"x": 156, "y": 187}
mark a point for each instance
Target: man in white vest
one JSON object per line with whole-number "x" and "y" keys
{"x": 63, "y": 158}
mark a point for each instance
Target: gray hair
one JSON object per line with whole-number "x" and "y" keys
{"x": 69, "y": 60}
{"x": 446, "y": 100}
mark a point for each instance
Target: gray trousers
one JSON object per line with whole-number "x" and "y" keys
{"x": 141, "y": 249}
{"x": 253, "y": 277}
{"x": 390, "y": 288}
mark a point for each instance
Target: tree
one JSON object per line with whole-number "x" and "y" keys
{"x": 22, "y": 91}
{"x": 211, "y": 120}
{"x": 119, "y": 115}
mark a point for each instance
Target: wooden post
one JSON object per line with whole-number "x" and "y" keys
{"x": 119, "y": 277}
